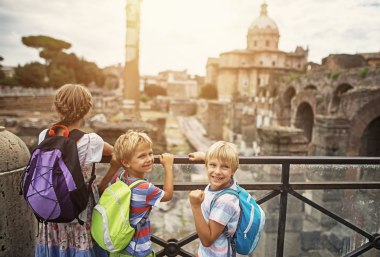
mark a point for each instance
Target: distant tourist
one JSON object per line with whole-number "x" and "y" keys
{"x": 72, "y": 103}
{"x": 222, "y": 161}
{"x": 133, "y": 150}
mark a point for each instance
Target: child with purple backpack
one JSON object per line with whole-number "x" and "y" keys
{"x": 72, "y": 102}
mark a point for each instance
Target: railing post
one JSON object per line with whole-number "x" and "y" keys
{"x": 283, "y": 209}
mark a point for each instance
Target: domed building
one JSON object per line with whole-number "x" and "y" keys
{"x": 263, "y": 33}
{"x": 248, "y": 72}
{"x": 250, "y": 75}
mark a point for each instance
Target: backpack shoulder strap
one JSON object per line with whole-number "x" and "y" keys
{"x": 143, "y": 220}
{"x": 133, "y": 184}
{"x": 76, "y": 134}
{"x": 46, "y": 134}
{"x": 146, "y": 215}
{"x": 136, "y": 183}
{"x": 225, "y": 191}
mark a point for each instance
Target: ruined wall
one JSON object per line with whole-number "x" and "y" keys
{"x": 343, "y": 61}
{"x": 31, "y": 102}
{"x": 345, "y": 101}
{"x": 281, "y": 141}
{"x": 215, "y": 120}
{"x": 182, "y": 108}
{"x": 330, "y": 136}
{"x": 336, "y": 97}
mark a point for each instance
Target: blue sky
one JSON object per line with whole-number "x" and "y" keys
{"x": 182, "y": 34}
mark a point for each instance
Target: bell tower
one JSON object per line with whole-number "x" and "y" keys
{"x": 132, "y": 48}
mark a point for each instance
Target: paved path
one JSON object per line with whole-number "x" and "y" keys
{"x": 194, "y": 132}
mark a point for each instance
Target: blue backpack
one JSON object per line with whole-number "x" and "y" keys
{"x": 250, "y": 225}
{"x": 53, "y": 184}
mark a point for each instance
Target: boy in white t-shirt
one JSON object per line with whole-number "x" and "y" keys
{"x": 222, "y": 161}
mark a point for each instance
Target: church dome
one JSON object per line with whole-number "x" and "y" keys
{"x": 263, "y": 32}
{"x": 264, "y": 22}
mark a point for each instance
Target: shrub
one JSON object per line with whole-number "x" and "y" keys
{"x": 334, "y": 74}
{"x": 363, "y": 72}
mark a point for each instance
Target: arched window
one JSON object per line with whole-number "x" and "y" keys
{"x": 305, "y": 119}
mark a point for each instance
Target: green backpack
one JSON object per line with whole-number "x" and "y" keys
{"x": 110, "y": 225}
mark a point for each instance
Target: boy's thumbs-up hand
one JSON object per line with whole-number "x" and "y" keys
{"x": 196, "y": 197}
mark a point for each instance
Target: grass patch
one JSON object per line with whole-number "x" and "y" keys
{"x": 334, "y": 74}
{"x": 363, "y": 72}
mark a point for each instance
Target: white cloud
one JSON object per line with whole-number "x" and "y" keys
{"x": 182, "y": 34}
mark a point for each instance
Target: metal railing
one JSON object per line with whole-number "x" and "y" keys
{"x": 174, "y": 247}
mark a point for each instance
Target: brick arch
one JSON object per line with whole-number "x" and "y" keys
{"x": 288, "y": 95}
{"x": 310, "y": 87}
{"x": 304, "y": 119}
{"x": 283, "y": 110}
{"x": 359, "y": 123}
{"x": 308, "y": 97}
{"x": 336, "y": 97}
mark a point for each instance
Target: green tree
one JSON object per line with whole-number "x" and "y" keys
{"x": 4, "y": 80}
{"x": 209, "y": 92}
{"x": 62, "y": 67}
{"x": 88, "y": 72}
{"x": 49, "y": 46}
{"x": 85, "y": 72}
{"x": 2, "y": 74}
{"x": 60, "y": 75}
{"x": 31, "y": 75}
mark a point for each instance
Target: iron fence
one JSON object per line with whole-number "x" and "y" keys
{"x": 174, "y": 246}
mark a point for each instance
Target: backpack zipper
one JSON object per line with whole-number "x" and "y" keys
{"x": 120, "y": 205}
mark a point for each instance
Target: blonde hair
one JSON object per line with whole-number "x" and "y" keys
{"x": 72, "y": 102}
{"x": 127, "y": 143}
{"x": 225, "y": 152}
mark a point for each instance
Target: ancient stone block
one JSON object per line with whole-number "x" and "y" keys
{"x": 310, "y": 240}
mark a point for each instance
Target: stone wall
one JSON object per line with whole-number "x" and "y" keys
{"x": 42, "y": 103}
{"x": 280, "y": 141}
{"x": 17, "y": 223}
{"x": 343, "y": 102}
{"x": 330, "y": 136}
{"x": 110, "y": 131}
{"x": 182, "y": 108}
{"x": 343, "y": 61}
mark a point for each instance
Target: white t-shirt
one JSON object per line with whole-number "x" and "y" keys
{"x": 226, "y": 211}
{"x": 94, "y": 150}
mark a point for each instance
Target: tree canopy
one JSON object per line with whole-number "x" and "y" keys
{"x": 45, "y": 42}
{"x": 2, "y": 74}
{"x": 60, "y": 67}
{"x": 31, "y": 75}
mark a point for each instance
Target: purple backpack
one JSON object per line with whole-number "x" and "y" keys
{"x": 53, "y": 184}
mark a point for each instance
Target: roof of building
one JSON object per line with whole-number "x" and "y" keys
{"x": 264, "y": 22}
